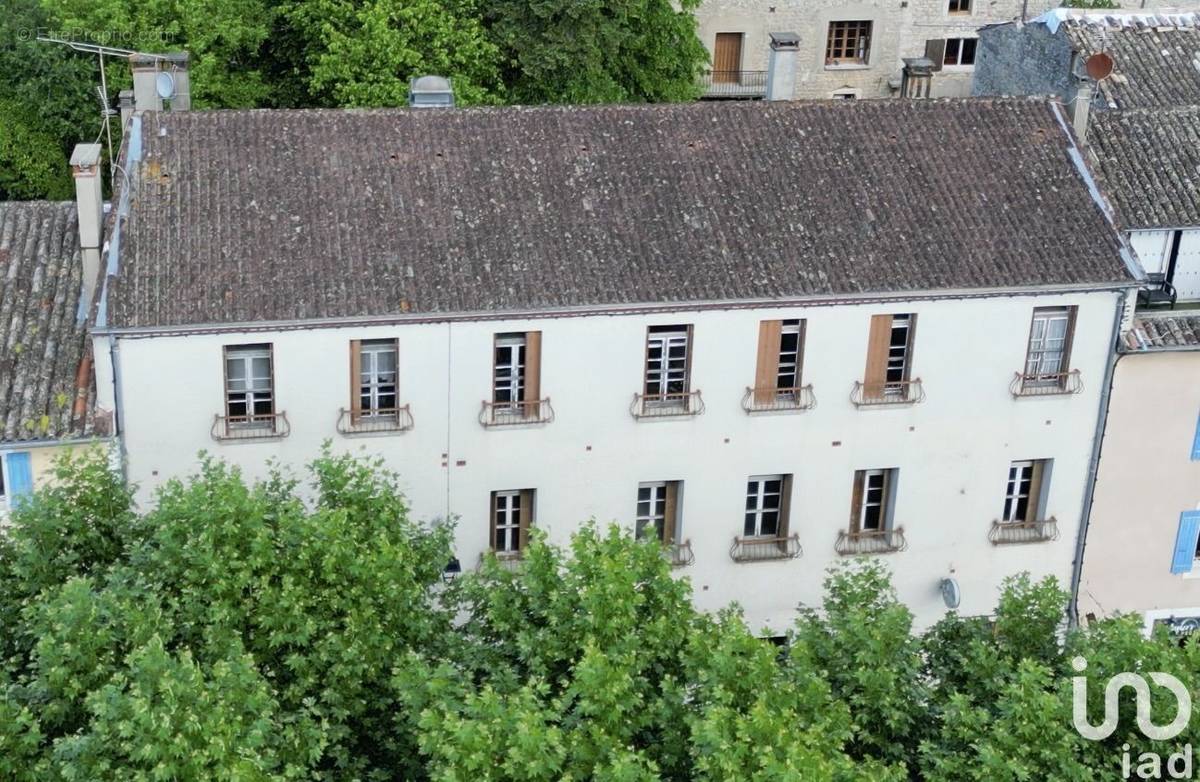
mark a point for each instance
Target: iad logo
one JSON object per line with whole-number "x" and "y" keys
{"x": 1150, "y": 764}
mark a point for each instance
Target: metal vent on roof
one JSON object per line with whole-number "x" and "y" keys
{"x": 430, "y": 92}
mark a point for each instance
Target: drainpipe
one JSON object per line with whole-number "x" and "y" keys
{"x": 1094, "y": 465}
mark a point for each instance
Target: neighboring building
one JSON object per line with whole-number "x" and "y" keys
{"x": 1142, "y": 553}
{"x": 46, "y": 385}
{"x": 1141, "y": 123}
{"x": 771, "y": 335}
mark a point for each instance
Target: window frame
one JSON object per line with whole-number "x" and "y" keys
{"x": 369, "y": 389}
{"x": 958, "y": 7}
{"x": 899, "y": 357}
{"x": 1035, "y": 357}
{"x": 860, "y": 504}
{"x": 790, "y": 361}
{"x": 754, "y": 530}
{"x": 247, "y": 353}
{"x": 519, "y": 520}
{"x": 516, "y": 343}
{"x": 958, "y": 45}
{"x": 665, "y": 524}
{"x": 662, "y": 375}
{"x": 849, "y": 35}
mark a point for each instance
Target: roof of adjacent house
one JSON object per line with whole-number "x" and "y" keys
{"x": 1163, "y": 331}
{"x": 42, "y": 338}
{"x": 245, "y": 216}
{"x": 1156, "y": 56}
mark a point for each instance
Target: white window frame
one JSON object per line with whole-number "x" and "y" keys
{"x": 506, "y": 507}
{"x": 254, "y": 392}
{"x": 964, "y": 7}
{"x": 756, "y": 490}
{"x": 789, "y": 359}
{"x": 651, "y": 511}
{"x": 667, "y": 371}
{"x": 867, "y": 503}
{"x": 373, "y": 382}
{"x": 1020, "y": 474}
{"x": 1042, "y": 360}
{"x": 508, "y": 373}
{"x": 897, "y": 369}
{"x": 958, "y": 63}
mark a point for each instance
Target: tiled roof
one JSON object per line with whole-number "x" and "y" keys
{"x": 1167, "y": 331}
{"x": 42, "y": 340}
{"x": 1150, "y": 162}
{"x": 243, "y": 216}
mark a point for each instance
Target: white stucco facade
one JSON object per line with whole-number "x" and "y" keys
{"x": 952, "y": 451}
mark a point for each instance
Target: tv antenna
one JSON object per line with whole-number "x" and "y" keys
{"x": 106, "y": 110}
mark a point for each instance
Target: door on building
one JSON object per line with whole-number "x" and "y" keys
{"x": 727, "y": 58}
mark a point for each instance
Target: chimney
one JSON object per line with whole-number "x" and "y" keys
{"x": 1080, "y": 111}
{"x": 89, "y": 203}
{"x": 781, "y": 66}
{"x": 159, "y": 77}
{"x": 125, "y": 103}
{"x": 426, "y": 92}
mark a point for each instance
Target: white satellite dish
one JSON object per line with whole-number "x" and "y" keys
{"x": 951, "y": 595}
{"x": 164, "y": 85}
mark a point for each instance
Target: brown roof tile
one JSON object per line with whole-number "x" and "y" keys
{"x": 1165, "y": 331}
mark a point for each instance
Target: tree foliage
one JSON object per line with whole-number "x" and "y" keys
{"x": 289, "y": 630}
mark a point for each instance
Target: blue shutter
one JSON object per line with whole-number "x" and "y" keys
{"x": 1196, "y": 443}
{"x": 20, "y": 475}
{"x": 1185, "y": 541}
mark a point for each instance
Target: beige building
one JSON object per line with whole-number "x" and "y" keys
{"x": 1142, "y": 553}
{"x": 857, "y": 49}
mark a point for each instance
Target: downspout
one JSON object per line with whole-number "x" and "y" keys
{"x": 118, "y": 415}
{"x": 1094, "y": 465}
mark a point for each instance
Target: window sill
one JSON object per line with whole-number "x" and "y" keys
{"x": 238, "y": 429}
{"x": 395, "y": 421}
{"x": 508, "y": 415}
{"x": 849, "y": 66}
{"x": 1019, "y": 532}
{"x": 896, "y": 394}
{"x": 872, "y": 542}
{"x": 1194, "y": 573}
{"x": 764, "y": 549}
{"x": 958, "y": 69}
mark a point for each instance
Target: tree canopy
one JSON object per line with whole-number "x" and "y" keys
{"x": 290, "y": 629}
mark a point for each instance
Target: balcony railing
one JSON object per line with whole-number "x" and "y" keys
{"x": 510, "y": 561}
{"x": 734, "y": 84}
{"x": 874, "y": 541}
{"x": 390, "y": 420}
{"x": 667, "y": 405}
{"x": 770, "y": 400}
{"x": 238, "y": 428}
{"x": 1023, "y": 531}
{"x": 679, "y": 554}
{"x": 756, "y": 549}
{"x": 1056, "y": 384}
{"x": 900, "y": 392}
{"x": 535, "y": 411}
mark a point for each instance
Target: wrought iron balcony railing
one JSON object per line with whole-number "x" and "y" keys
{"x": 874, "y": 541}
{"x": 535, "y": 411}
{"x": 1055, "y": 384}
{"x": 900, "y": 392}
{"x": 1023, "y": 531}
{"x": 390, "y": 420}
{"x": 769, "y": 400}
{"x": 734, "y": 84}
{"x": 679, "y": 554}
{"x": 667, "y": 405}
{"x": 756, "y": 549}
{"x": 238, "y": 428}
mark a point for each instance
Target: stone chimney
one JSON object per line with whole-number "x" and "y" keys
{"x": 781, "y": 66}
{"x": 1080, "y": 111}
{"x": 89, "y": 203}
{"x": 168, "y": 72}
{"x": 125, "y": 103}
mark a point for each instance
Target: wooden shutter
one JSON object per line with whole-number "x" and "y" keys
{"x": 727, "y": 58}
{"x": 785, "y": 506}
{"x": 909, "y": 351}
{"x": 1196, "y": 443}
{"x": 769, "y": 336}
{"x": 935, "y": 50}
{"x": 1066, "y": 359}
{"x": 525, "y": 518}
{"x": 671, "y": 513}
{"x": 20, "y": 476}
{"x": 1033, "y": 510}
{"x": 856, "y": 500}
{"x": 886, "y": 501}
{"x": 533, "y": 372}
{"x": 1185, "y": 542}
{"x": 875, "y": 375}
{"x": 355, "y": 380}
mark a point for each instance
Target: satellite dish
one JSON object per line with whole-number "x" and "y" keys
{"x": 951, "y": 595}
{"x": 164, "y": 85}
{"x": 1099, "y": 66}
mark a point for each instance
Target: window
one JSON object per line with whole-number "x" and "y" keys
{"x": 512, "y": 514}
{"x": 508, "y": 371}
{"x": 16, "y": 476}
{"x": 516, "y": 381}
{"x": 1049, "y": 350}
{"x": 787, "y": 375}
{"x": 667, "y": 362}
{"x": 767, "y": 501}
{"x": 657, "y": 511}
{"x": 777, "y": 377}
{"x": 249, "y": 388}
{"x": 373, "y": 366}
{"x": 959, "y": 51}
{"x": 1024, "y": 492}
{"x": 959, "y": 6}
{"x": 887, "y": 377}
{"x": 849, "y": 43}
{"x": 871, "y": 503}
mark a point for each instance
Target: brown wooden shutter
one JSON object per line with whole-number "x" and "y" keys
{"x": 767, "y": 372}
{"x": 672, "y": 509}
{"x": 525, "y": 518}
{"x": 935, "y": 50}
{"x": 909, "y": 348}
{"x": 785, "y": 506}
{"x": 687, "y": 372}
{"x": 727, "y": 58}
{"x": 533, "y": 372}
{"x": 492, "y": 519}
{"x": 856, "y": 500}
{"x": 885, "y": 502}
{"x": 1066, "y": 360}
{"x": 271, "y": 375}
{"x": 875, "y": 375}
{"x": 355, "y": 380}
{"x": 1033, "y": 510}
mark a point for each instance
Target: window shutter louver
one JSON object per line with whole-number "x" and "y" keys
{"x": 856, "y": 500}
{"x": 769, "y": 336}
{"x": 526, "y": 518}
{"x": 355, "y": 380}
{"x": 875, "y": 375}
{"x": 533, "y": 372}
{"x": 935, "y": 50}
{"x": 1033, "y": 510}
{"x": 785, "y": 507}
{"x": 1185, "y": 542}
{"x": 20, "y": 476}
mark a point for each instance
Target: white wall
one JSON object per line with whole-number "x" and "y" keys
{"x": 952, "y": 451}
